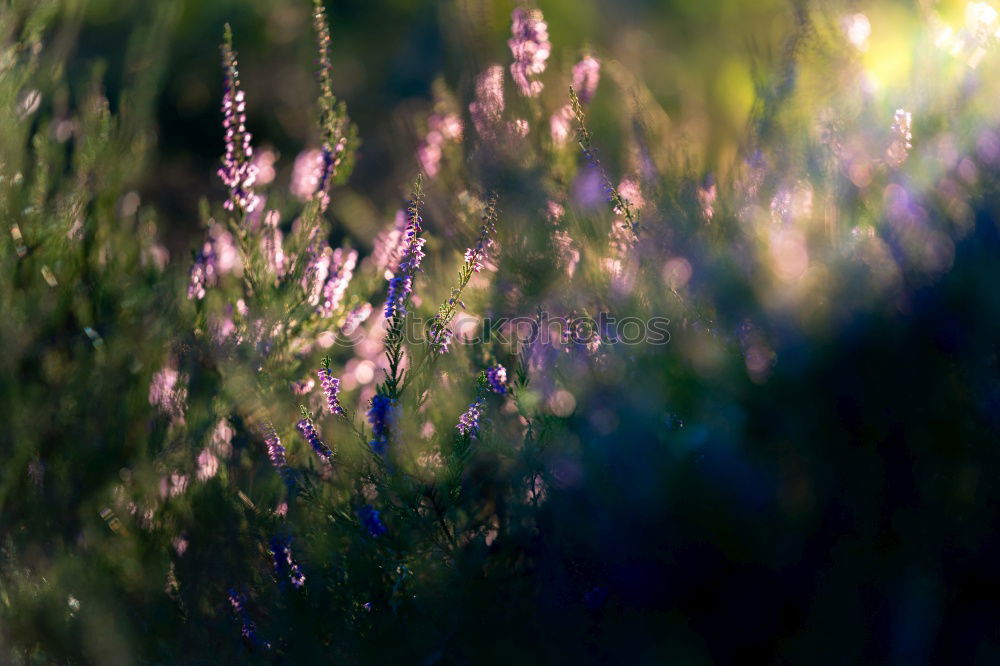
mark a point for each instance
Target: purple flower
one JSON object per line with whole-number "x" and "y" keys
{"x": 479, "y": 253}
{"x": 236, "y": 601}
{"x": 275, "y": 451}
{"x": 204, "y": 273}
{"x": 317, "y": 268}
{"x": 332, "y": 157}
{"x": 331, "y": 391}
{"x": 218, "y": 256}
{"x": 586, "y": 74}
{"x": 307, "y": 172}
{"x": 561, "y": 125}
{"x": 440, "y": 335}
{"x": 530, "y": 47}
{"x": 168, "y": 392}
{"x": 441, "y": 128}
{"x": 401, "y": 284}
{"x": 566, "y": 251}
{"x": 468, "y": 422}
{"x": 333, "y": 116}
{"x": 489, "y": 104}
{"x": 388, "y": 245}
{"x": 308, "y": 430}
{"x": 341, "y": 271}
{"x": 284, "y": 563}
{"x": 237, "y": 171}
{"x": 356, "y": 317}
{"x": 496, "y": 377}
{"x": 380, "y": 416}
{"x": 371, "y": 521}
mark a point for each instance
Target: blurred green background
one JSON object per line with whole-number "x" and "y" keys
{"x": 697, "y": 59}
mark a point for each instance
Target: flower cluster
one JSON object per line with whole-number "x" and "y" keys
{"x": 388, "y": 245}
{"x": 477, "y": 254}
{"x": 308, "y": 430}
{"x": 334, "y": 122}
{"x": 331, "y": 390}
{"x": 567, "y": 253}
{"x": 561, "y": 125}
{"x": 371, "y": 521}
{"x": 468, "y": 422}
{"x": 401, "y": 284}
{"x": 529, "y": 44}
{"x": 586, "y": 74}
{"x": 218, "y": 256}
{"x": 203, "y": 272}
{"x": 442, "y": 128}
{"x": 341, "y": 270}
{"x": 317, "y": 268}
{"x": 380, "y": 415}
{"x": 237, "y": 601}
{"x": 355, "y": 317}
{"x": 496, "y": 377}
{"x": 167, "y": 391}
{"x": 275, "y": 451}
{"x": 307, "y": 172}
{"x": 284, "y": 563}
{"x": 237, "y": 171}
{"x": 440, "y": 335}
{"x": 489, "y": 104}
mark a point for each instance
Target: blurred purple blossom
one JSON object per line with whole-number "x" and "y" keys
{"x": 488, "y": 106}
{"x": 167, "y": 391}
{"x": 355, "y": 317}
{"x": 237, "y": 602}
{"x": 203, "y": 273}
{"x": 476, "y": 255}
{"x": 441, "y": 128}
{"x": 561, "y": 125}
{"x": 529, "y": 44}
{"x": 341, "y": 270}
{"x": 318, "y": 257}
{"x": 284, "y": 563}
{"x": 381, "y": 414}
{"x": 586, "y": 75}
{"x": 371, "y": 521}
{"x": 568, "y": 254}
{"x": 208, "y": 465}
{"x": 307, "y": 172}
{"x": 388, "y": 245}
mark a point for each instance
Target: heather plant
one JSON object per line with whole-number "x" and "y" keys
{"x": 581, "y": 398}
